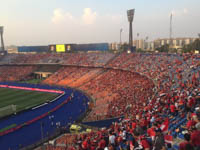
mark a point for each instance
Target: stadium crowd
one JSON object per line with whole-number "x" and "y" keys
{"x": 116, "y": 92}
{"x": 155, "y": 122}
{"x": 15, "y": 73}
{"x": 78, "y": 59}
{"x": 113, "y": 90}
{"x": 158, "y": 95}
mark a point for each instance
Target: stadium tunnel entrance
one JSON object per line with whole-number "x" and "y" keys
{"x": 42, "y": 75}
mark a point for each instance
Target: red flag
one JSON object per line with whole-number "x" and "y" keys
{"x": 165, "y": 125}
{"x": 168, "y": 139}
{"x": 131, "y": 145}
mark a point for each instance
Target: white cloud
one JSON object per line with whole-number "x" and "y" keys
{"x": 60, "y": 16}
{"x": 185, "y": 11}
{"x": 116, "y": 18}
{"x": 88, "y": 16}
{"x": 179, "y": 13}
{"x": 66, "y": 27}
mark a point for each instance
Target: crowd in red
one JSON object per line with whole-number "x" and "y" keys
{"x": 66, "y": 75}
{"x": 15, "y": 73}
{"x": 117, "y": 91}
{"x": 151, "y": 121}
{"x": 114, "y": 91}
{"x": 158, "y": 95}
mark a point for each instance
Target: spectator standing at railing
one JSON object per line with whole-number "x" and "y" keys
{"x": 112, "y": 138}
{"x": 140, "y": 142}
{"x": 195, "y": 137}
{"x": 173, "y": 109}
{"x": 183, "y": 145}
{"x": 102, "y": 144}
{"x": 159, "y": 142}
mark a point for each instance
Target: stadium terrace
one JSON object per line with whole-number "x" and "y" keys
{"x": 112, "y": 101}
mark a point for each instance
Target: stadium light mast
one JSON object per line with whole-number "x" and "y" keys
{"x": 170, "y": 31}
{"x": 146, "y": 42}
{"x": 120, "y": 38}
{"x": 2, "y": 42}
{"x": 130, "y": 14}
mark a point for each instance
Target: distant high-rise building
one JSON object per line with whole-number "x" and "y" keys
{"x": 176, "y": 43}
{"x": 139, "y": 44}
{"x": 114, "y": 46}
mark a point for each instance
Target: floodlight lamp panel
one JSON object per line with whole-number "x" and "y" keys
{"x": 130, "y": 14}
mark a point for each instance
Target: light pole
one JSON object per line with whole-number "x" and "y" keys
{"x": 146, "y": 43}
{"x": 41, "y": 125}
{"x": 120, "y": 38}
{"x": 170, "y": 32}
{"x": 42, "y": 134}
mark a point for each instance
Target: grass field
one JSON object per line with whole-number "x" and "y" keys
{"x": 22, "y": 99}
{"x": 32, "y": 81}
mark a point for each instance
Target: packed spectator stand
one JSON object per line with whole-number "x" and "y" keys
{"x": 158, "y": 95}
{"x": 163, "y": 118}
{"x": 15, "y": 73}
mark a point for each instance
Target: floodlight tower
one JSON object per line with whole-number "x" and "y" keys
{"x": 130, "y": 14}
{"x": 120, "y": 36}
{"x": 170, "y": 30}
{"x": 1, "y": 33}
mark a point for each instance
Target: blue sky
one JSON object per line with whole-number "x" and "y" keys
{"x": 43, "y": 22}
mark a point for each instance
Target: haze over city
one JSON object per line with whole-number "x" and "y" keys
{"x": 43, "y": 22}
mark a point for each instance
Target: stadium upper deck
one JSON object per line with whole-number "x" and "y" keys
{"x": 83, "y": 59}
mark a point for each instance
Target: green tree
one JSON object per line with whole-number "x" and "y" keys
{"x": 163, "y": 48}
{"x": 124, "y": 46}
{"x": 196, "y": 44}
{"x": 193, "y": 46}
{"x": 139, "y": 50}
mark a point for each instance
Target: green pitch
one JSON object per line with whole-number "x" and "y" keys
{"x": 23, "y": 99}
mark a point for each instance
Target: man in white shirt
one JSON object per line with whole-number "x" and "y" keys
{"x": 112, "y": 139}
